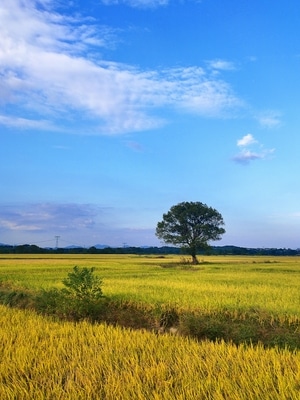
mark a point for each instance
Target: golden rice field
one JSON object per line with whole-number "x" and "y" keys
{"x": 235, "y": 283}
{"x": 42, "y": 359}
{"x": 45, "y": 359}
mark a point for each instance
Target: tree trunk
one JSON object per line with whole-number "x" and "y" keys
{"x": 194, "y": 259}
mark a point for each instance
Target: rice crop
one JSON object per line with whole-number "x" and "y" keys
{"x": 42, "y": 359}
{"x": 237, "y": 284}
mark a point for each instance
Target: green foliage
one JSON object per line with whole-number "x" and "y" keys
{"x": 81, "y": 297}
{"x": 83, "y": 285}
{"x": 83, "y": 293}
{"x": 191, "y": 225}
{"x": 52, "y": 302}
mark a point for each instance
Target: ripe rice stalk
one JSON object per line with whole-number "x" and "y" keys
{"x": 46, "y": 359}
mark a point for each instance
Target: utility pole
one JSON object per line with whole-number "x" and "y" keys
{"x": 56, "y": 241}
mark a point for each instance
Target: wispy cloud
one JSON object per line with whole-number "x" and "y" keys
{"x": 52, "y": 76}
{"x": 137, "y": 3}
{"x": 295, "y": 215}
{"x": 269, "y": 119}
{"x": 81, "y": 224}
{"x": 245, "y": 156}
{"x": 251, "y": 150}
{"x": 246, "y": 140}
{"x": 47, "y": 217}
{"x": 131, "y": 144}
{"x": 222, "y": 65}
{"x": 25, "y": 123}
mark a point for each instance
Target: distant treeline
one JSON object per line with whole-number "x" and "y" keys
{"x": 213, "y": 250}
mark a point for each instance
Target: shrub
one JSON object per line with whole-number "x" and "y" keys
{"x": 81, "y": 298}
{"x": 83, "y": 285}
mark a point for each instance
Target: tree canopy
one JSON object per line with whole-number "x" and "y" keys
{"x": 191, "y": 225}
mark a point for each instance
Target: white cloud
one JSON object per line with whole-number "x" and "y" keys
{"x": 247, "y": 154}
{"x": 222, "y": 65}
{"x": 49, "y": 71}
{"x": 246, "y": 140}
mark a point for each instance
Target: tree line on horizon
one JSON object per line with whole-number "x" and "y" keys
{"x": 159, "y": 251}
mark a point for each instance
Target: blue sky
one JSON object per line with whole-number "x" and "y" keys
{"x": 113, "y": 111}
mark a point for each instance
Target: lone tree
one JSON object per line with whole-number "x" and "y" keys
{"x": 191, "y": 225}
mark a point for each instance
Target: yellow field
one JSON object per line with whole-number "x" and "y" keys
{"x": 42, "y": 359}
{"x": 236, "y": 283}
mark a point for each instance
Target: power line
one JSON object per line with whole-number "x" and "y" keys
{"x": 56, "y": 241}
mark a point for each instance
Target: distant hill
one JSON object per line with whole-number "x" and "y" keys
{"x": 101, "y": 246}
{"x": 73, "y": 246}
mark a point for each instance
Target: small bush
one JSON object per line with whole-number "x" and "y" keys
{"x": 83, "y": 285}
{"x": 81, "y": 298}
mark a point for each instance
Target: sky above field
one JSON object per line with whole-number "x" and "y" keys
{"x": 112, "y": 111}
